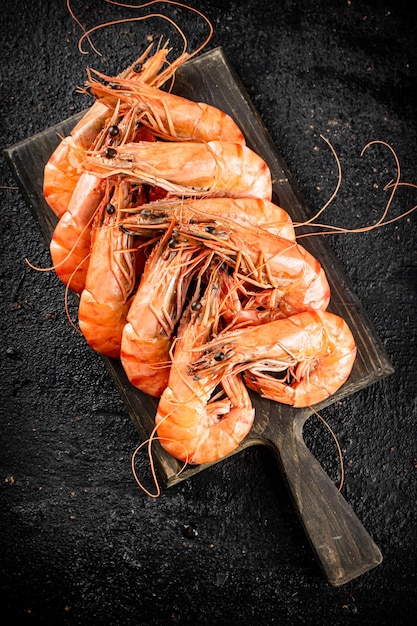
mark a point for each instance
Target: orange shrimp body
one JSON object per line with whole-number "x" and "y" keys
{"x": 110, "y": 280}
{"x": 190, "y": 426}
{"x": 61, "y": 172}
{"x": 316, "y": 350}
{"x": 71, "y": 240}
{"x": 169, "y": 116}
{"x": 215, "y": 168}
{"x": 61, "y": 175}
{"x": 153, "y": 314}
{"x": 264, "y": 260}
{"x": 211, "y": 212}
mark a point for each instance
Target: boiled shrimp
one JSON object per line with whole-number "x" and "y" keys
{"x": 216, "y": 168}
{"x": 211, "y": 212}
{"x": 71, "y": 239}
{"x": 61, "y": 172}
{"x": 168, "y": 116}
{"x": 266, "y": 261}
{"x": 110, "y": 279}
{"x": 154, "y": 312}
{"x": 191, "y": 426}
{"x": 315, "y": 351}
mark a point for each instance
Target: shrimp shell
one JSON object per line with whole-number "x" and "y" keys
{"x": 167, "y": 115}
{"x": 110, "y": 280}
{"x": 216, "y": 168}
{"x": 316, "y": 350}
{"x": 71, "y": 239}
{"x": 264, "y": 260}
{"x": 153, "y": 314}
{"x": 216, "y": 212}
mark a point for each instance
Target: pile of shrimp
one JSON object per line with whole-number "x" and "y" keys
{"x": 186, "y": 270}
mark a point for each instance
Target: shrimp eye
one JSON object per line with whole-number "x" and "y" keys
{"x": 110, "y": 209}
{"x": 146, "y": 212}
{"x": 172, "y": 242}
{"x": 219, "y": 356}
{"x": 210, "y": 229}
{"x": 137, "y": 68}
{"x": 110, "y": 153}
{"x": 113, "y": 131}
{"x": 196, "y": 306}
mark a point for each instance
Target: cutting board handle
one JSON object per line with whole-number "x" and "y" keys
{"x": 340, "y": 542}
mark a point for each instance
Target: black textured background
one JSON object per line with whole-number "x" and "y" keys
{"x": 80, "y": 543}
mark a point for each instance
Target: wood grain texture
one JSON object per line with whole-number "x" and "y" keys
{"x": 343, "y": 547}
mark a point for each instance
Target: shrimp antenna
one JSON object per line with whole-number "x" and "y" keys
{"x": 77, "y": 21}
{"x": 382, "y": 221}
{"x": 179, "y": 4}
{"x": 66, "y": 293}
{"x": 339, "y": 451}
{"x": 148, "y": 443}
{"x": 87, "y": 32}
{"x": 336, "y": 190}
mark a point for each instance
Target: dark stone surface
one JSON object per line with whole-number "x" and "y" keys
{"x": 80, "y": 543}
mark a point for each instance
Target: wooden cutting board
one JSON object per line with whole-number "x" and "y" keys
{"x": 342, "y": 546}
